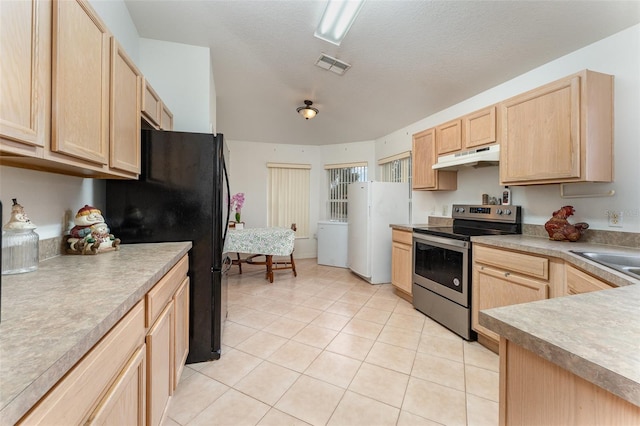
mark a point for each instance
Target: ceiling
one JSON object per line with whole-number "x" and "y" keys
{"x": 409, "y": 59}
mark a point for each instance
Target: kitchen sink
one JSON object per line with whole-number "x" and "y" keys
{"x": 625, "y": 263}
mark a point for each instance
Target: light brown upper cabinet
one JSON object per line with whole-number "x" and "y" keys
{"x": 80, "y": 111}
{"x": 449, "y": 137}
{"x": 479, "y": 128}
{"x": 423, "y": 157}
{"x": 70, "y": 100}
{"x": 25, "y": 83}
{"x": 560, "y": 132}
{"x": 166, "y": 118}
{"x": 124, "y": 135}
{"x": 151, "y": 106}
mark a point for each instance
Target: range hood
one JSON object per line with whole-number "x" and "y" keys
{"x": 480, "y": 157}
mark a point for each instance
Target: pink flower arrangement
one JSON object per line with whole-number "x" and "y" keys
{"x": 237, "y": 202}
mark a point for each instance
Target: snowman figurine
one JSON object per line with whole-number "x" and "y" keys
{"x": 90, "y": 233}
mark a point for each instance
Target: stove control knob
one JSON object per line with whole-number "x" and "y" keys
{"x": 460, "y": 209}
{"x": 507, "y": 212}
{"x": 498, "y": 211}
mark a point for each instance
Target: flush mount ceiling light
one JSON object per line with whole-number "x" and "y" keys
{"x": 307, "y": 111}
{"x": 337, "y": 19}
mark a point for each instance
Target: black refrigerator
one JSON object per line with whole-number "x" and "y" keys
{"x": 182, "y": 195}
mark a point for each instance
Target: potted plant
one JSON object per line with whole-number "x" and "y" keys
{"x": 237, "y": 201}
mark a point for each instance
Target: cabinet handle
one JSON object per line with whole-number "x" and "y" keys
{"x": 506, "y": 274}
{"x": 482, "y": 268}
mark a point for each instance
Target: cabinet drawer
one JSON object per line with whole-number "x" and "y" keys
{"x": 158, "y": 297}
{"x": 403, "y": 237}
{"x": 579, "y": 282}
{"x": 73, "y": 398}
{"x": 521, "y": 263}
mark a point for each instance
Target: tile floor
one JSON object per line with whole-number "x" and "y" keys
{"x": 327, "y": 348}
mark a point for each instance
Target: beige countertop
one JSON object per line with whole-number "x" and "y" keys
{"x": 593, "y": 335}
{"x": 53, "y": 316}
{"x": 407, "y": 227}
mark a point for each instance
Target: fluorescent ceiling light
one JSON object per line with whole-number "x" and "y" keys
{"x": 337, "y": 19}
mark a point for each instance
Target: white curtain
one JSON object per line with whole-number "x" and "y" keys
{"x": 288, "y": 196}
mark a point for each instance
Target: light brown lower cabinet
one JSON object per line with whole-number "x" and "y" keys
{"x": 89, "y": 385}
{"x": 128, "y": 377}
{"x": 578, "y": 282}
{"x": 501, "y": 278}
{"x": 160, "y": 373}
{"x": 125, "y": 403}
{"x": 402, "y": 260}
{"x": 181, "y": 329}
{"x": 534, "y": 391}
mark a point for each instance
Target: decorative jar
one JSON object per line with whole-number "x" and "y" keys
{"x": 19, "y": 243}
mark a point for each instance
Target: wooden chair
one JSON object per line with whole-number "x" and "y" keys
{"x": 284, "y": 264}
{"x": 272, "y": 265}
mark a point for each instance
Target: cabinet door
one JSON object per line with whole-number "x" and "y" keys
{"x": 25, "y": 76}
{"x": 423, "y": 157}
{"x": 541, "y": 134}
{"x": 80, "y": 110}
{"x": 578, "y": 282}
{"x": 493, "y": 288}
{"x": 449, "y": 137}
{"x": 401, "y": 266}
{"x": 124, "y": 135}
{"x": 166, "y": 119}
{"x": 151, "y": 105}
{"x": 159, "y": 362}
{"x": 181, "y": 329}
{"x": 479, "y": 128}
{"x": 125, "y": 402}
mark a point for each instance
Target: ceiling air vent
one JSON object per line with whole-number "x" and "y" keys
{"x": 332, "y": 64}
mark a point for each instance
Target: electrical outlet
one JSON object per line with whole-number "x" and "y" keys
{"x": 615, "y": 219}
{"x": 444, "y": 210}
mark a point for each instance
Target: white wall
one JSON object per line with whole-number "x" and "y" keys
{"x": 181, "y": 74}
{"x": 248, "y": 174}
{"x": 116, "y": 17}
{"x": 47, "y": 197}
{"x": 617, "y": 55}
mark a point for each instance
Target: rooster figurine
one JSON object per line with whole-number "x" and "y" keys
{"x": 559, "y": 228}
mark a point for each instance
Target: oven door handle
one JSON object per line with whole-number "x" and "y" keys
{"x": 444, "y": 241}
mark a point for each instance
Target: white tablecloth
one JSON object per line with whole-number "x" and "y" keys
{"x": 268, "y": 241}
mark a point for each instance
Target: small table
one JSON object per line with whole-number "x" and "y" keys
{"x": 267, "y": 242}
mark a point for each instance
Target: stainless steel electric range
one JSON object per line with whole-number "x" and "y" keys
{"x": 442, "y": 259}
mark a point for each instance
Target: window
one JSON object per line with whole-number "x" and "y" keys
{"x": 288, "y": 196}
{"x": 396, "y": 168}
{"x": 339, "y": 176}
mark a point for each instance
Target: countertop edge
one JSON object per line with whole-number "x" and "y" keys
{"x": 39, "y": 387}
{"x": 595, "y": 373}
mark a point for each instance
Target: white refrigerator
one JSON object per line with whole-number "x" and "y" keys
{"x": 371, "y": 208}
